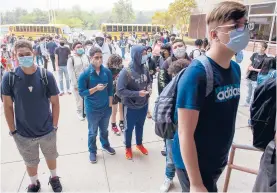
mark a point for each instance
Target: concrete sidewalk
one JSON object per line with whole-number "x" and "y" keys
{"x": 113, "y": 173}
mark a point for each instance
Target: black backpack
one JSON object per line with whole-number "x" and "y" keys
{"x": 164, "y": 109}
{"x": 263, "y": 114}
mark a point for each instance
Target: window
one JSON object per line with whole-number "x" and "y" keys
{"x": 38, "y": 28}
{"x": 34, "y": 29}
{"x": 158, "y": 29}
{"x": 266, "y": 8}
{"x": 144, "y": 28}
{"x": 24, "y": 28}
{"x": 139, "y": 28}
{"x": 52, "y": 29}
{"x": 17, "y": 28}
{"x": 273, "y": 37}
{"x": 130, "y": 28}
{"x": 31, "y": 28}
{"x": 135, "y": 28}
{"x": 124, "y": 28}
{"x": 109, "y": 28}
{"x": 120, "y": 28}
{"x": 41, "y": 28}
{"x": 262, "y": 28}
{"x": 115, "y": 28}
{"x": 149, "y": 29}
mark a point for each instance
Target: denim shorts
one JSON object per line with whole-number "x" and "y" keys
{"x": 29, "y": 148}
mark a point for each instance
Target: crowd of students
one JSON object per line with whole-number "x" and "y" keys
{"x": 205, "y": 97}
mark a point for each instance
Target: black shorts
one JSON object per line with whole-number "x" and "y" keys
{"x": 116, "y": 99}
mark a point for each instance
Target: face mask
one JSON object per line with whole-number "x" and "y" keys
{"x": 4, "y": 49}
{"x": 149, "y": 55}
{"x": 143, "y": 59}
{"x": 100, "y": 41}
{"x": 115, "y": 71}
{"x": 238, "y": 40}
{"x": 80, "y": 51}
{"x": 180, "y": 52}
{"x": 62, "y": 43}
{"x": 26, "y": 61}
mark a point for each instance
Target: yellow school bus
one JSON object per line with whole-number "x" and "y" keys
{"x": 116, "y": 29}
{"x": 37, "y": 30}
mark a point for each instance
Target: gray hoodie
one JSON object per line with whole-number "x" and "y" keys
{"x": 130, "y": 82}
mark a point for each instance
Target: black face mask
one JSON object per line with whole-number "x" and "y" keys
{"x": 62, "y": 44}
{"x": 162, "y": 54}
{"x": 115, "y": 71}
{"x": 4, "y": 49}
{"x": 100, "y": 41}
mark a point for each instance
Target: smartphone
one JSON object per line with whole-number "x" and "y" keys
{"x": 105, "y": 84}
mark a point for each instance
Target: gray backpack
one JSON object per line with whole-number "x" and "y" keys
{"x": 164, "y": 109}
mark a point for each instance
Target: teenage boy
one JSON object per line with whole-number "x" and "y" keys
{"x": 206, "y": 124}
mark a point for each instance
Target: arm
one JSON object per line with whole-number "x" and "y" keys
{"x": 71, "y": 73}
{"x": 56, "y": 61}
{"x": 110, "y": 88}
{"x": 55, "y": 109}
{"x": 83, "y": 87}
{"x": 122, "y": 85}
{"x": 9, "y": 113}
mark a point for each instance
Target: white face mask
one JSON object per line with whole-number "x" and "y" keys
{"x": 180, "y": 52}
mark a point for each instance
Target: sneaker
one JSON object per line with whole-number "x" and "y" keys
{"x": 166, "y": 185}
{"x": 121, "y": 126}
{"x": 69, "y": 92}
{"x": 109, "y": 150}
{"x": 92, "y": 158}
{"x": 61, "y": 94}
{"x": 56, "y": 184}
{"x": 115, "y": 130}
{"x": 142, "y": 149}
{"x": 129, "y": 154}
{"x": 163, "y": 152}
{"x": 33, "y": 187}
{"x": 80, "y": 117}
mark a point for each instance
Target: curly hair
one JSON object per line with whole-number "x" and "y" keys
{"x": 177, "y": 66}
{"x": 114, "y": 60}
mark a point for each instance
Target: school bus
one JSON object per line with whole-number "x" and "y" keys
{"x": 116, "y": 29}
{"x": 37, "y": 30}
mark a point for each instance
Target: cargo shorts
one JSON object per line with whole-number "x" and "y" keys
{"x": 29, "y": 148}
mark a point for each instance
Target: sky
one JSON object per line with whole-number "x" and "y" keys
{"x": 95, "y": 5}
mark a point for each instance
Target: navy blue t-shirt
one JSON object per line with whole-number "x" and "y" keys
{"x": 216, "y": 125}
{"x": 33, "y": 117}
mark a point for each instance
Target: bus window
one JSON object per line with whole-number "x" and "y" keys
{"x": 139, "y": 28}
{"x": 149, "y": 29}
{"x": 144, "y": 29}
{"x": 17, "y": 28}
{"x": 135, "y": 28}
{"x": 52, "y": 30}
{"x": 114, "y": 28}
{"x": 119, "y": 28}
{"x": 109, "y": 28}
{"x": 34, "y": 29}
{"x": 130, "y": 29}
{"x": 124, "y": 28}
{"x": 31, "y": 29}
{"x": 158, "y": 29}
{"x": 41, "y": 29}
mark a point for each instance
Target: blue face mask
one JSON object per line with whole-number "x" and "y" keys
{"x": 26, "y": 61}
{"x": 149, "y": 55}
{"x": 80, "y": 51}
{"x": 144, "y": 59}
{"x": 238, "y": 40}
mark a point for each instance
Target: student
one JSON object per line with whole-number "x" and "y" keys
{"x": 115, "y": 66}
{"x": 31, "y": 107}
{"x": 253, "y": 70}
{"x": 206, "y": 124}
{"x": 51, "y": 46}
{"x": 95, "y": 84}
{"x": 268, "y": 70}
{"x": 198, "y": 49}
{"x": 88, "y": 46}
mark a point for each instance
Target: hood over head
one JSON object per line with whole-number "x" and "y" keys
{"x": 136, "y": 55}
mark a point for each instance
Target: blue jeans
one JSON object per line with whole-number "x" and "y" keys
{"x": 63, "y": 71}
{"x": 252, "y": 85}
{"x": 123, "y": 53}
{"x": 170, "y": 167}
{"x": 134, "y": 118}
{"x": 99, "y": 119}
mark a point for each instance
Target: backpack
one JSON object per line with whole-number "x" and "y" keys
{"x": 263, "y": 114}
{"x": 43, "y": 74}
{"x": 201, "y": 53}
{"x": 164, "y": 109}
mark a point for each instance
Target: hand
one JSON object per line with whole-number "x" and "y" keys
{"x": 158, "y": 69}
{"x": 198, "y": 188}
{"x": 251, "y": 68}
{"x": 143, "y": 93}
{"x": 76, "y": 89}
{"x": 151, "y": 72}
{"x": 100, "y": 87}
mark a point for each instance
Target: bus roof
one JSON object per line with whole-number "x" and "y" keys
{"x": 51, "y": 25}
{"x": 132, "y": 24}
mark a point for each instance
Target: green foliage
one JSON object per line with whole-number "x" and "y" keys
{"x": 123, "y": 11}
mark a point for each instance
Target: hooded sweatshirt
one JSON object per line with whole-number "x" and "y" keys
{"x": 130, "y": 82}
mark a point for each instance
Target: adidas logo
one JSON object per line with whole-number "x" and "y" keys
{"x": 227, "y": 92}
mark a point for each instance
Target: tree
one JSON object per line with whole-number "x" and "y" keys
{"x": 123, "y": 11}
{"x": 163, "y": 17}
{"x": 182, "y": 10}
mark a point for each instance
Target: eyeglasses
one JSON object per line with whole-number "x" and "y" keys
{"x": 239, "y": 27}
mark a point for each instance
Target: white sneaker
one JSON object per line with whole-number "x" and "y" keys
{"x": 166, "y": 185}
{"x": 80, "y": 117}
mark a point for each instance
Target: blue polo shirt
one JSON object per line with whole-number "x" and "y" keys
{"x": 217, "y": 112}
{"x": 99, "y": 100}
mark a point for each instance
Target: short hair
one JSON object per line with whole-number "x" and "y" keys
{"x": 264, "y": 45}
{"x": 178, "y": 40}
{"x": 3, "y": 45}
{"x": 114, "y": 60}
{"x": 172, "y": 38}
{"x": 149, "y": 48}
{"x": 23, "y": 44}
{"x": 88, "y": 42}
{"x": 109, "y": 37}
{"x": 94, "y": 50}
{"x": 177, "y": 66}
{"x": 42, "y": 38}
{"x": 75, "y": 44}
{"x": 50, "y": 38}
{"x": 226, "y": 11}
{"x": 198, "y": 42}
{"x": 166, "y": 47}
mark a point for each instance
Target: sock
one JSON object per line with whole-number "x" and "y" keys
{"x": 53, "y": 173}
{"x": 113, "y": 124}
{"x": 34, "y": 179}
{"x": 121, "y": 122}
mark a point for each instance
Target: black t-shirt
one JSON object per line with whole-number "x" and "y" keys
{"x": 63, "y": 53}
{"x": 257, "y": 61}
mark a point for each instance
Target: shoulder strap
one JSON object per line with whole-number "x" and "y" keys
{"x": 43, "y": 75}
{"x": 209, "y": 73}
{"x": 11, "y": 78}
{"x": 111, "y": 49}
{"x": 72, "y": 59}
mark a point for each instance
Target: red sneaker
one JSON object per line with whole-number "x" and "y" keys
{"x": 129, "y": 154}
{"x": 142, "y": 149}
{"x": 116, "y": 130}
